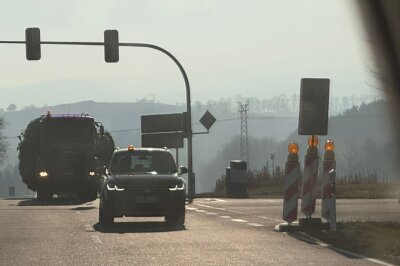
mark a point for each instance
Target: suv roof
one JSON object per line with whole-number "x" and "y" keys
{"x": 142, "y": 149}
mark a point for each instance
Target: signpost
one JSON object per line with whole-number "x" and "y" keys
{"x": 313, "y": 121}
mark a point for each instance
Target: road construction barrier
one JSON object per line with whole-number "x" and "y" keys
{"x": 311, "y": 163}
{"x": 328, "y": 210}
{"x": 291, "y": 184}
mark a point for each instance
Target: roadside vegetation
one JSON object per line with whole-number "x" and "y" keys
{"x": 270, "y": 185}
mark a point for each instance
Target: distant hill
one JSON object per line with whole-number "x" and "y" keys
{"x": 352, "y": 131}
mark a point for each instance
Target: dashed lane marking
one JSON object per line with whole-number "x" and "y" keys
{"x": 239, "y": 220}
{"x": 225, "y": 216}
{"x": 255, "y": 224}
{"x": 200, "y": 210}
{"x": 211, "y": 213}
{"x": 190, "y": 208}
{"x": 95, "y": 239}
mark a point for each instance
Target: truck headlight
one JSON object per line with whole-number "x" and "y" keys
{"x": 43, "y": 174}
{"x": 112, "y": 187}
{"x": 92, "y": 173}
{"x": 178, "y": 187}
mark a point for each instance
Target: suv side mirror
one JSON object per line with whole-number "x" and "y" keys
{"x": 183, "y": 170}
{"x": 102, "y": 170}
{"x": 102, "y": 130}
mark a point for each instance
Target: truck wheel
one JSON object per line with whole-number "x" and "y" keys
{"x": 44, "y": 195}
{"x": 176, "y": 219}
{"x": 105, "y": 216}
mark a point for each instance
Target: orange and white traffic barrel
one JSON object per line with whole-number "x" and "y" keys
{"x": 291, "y": 184}
{"x": 311, "y": 162}
{"x": 328, "y": 210}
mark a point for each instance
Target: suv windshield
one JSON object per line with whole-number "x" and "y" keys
{"x": 143, "y": 162}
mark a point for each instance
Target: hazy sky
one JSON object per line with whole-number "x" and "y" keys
{"x": 253, "y": 48}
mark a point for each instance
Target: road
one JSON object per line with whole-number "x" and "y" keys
{"x": 216, "y": 232}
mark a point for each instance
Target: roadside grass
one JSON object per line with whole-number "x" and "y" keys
{"x": 389, "y": 190}
{"x": 368, "y": 191}
{"x": 372, "y": 239}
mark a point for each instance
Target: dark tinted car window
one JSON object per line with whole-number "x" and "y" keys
{"x": 143, "y": 162}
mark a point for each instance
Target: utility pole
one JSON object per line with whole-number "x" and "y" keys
{"x": 244, "y": 140}
{"x": 273, "y": 165}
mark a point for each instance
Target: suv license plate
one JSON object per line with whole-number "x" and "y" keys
{"x": 146, "y": 199}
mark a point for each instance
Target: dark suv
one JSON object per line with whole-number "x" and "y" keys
{"x": 142, "y": 182}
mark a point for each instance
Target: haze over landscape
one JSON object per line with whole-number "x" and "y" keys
{"x": 227, "y": 48}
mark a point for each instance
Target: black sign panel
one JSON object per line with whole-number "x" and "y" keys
{"x": 314, "y": 105}
{"x": 161, "y": 140}
{"x": 162, "y": 123}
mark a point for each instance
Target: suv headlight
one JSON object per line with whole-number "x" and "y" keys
{"x": 178, "y": 187}
{"x": 112, "y": 187}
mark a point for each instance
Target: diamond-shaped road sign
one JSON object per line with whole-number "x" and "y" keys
{"x": 207, "y": 120}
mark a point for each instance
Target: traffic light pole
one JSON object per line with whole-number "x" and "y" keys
{"x": 191, "y": 177}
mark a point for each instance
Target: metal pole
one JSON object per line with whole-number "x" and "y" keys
{"x": 177, "y": 158}
{"x": 191, "y": 178}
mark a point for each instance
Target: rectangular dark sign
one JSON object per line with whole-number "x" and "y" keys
{"x": 161, "y": 140}
{"x": 314, "y": 105}
{"x": 162, "y": 123}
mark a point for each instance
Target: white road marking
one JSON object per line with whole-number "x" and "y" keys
{"x": 211, "y": 213}
{"x": 95, "y": 239}
{"x": 237, "y": 212}
{"x": 216, "y": 200}
{"x": 191, "y": 208}
{"x": 239, "y": 220}
{"x": 270, "y": 219}
{"x": 255, "y": 224}
{"x": 89, "y": 228}
{"x": 225, "y": 216}
{"x": 200, "y": 210}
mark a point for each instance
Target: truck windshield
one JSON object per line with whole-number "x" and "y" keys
{"x": 68, "y": 130}
{"x": 143, "y": 162}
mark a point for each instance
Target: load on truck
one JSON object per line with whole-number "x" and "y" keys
{"x": 61, "y": 153}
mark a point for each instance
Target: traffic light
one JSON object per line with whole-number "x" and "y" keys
{"x": 111, "y": 46}
{"x": 32, "y": 41}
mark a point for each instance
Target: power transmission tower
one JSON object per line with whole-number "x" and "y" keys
{"x": 244, "y": 140}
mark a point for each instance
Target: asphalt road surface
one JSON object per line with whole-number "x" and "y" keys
{"x": 216, "y": 232}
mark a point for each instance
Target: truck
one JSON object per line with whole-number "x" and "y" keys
{"x": 61, "y": 154}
